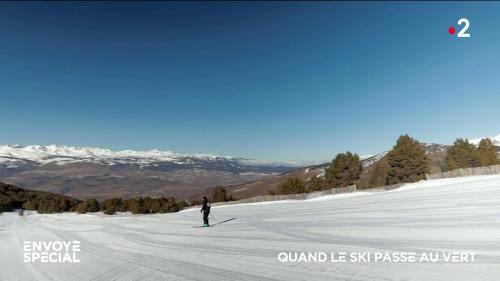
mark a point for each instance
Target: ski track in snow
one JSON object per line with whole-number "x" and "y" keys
{"x": 440, "y": 215}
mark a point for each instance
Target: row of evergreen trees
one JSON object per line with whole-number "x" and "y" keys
{"x": 51, "y": 205}
{"x": 12, "y": 198}
{"x": 463, "y": 154}
{"x": 406, "y": 162}
{"x": 344, "y": 170}
{"x": 136, "y": 205}
{"x": 145, "y": 205}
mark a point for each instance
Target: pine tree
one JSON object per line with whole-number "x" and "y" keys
{"x": 170, "y": 205}
{"x": 82, "y": 208}
{"x": 64, "y": 205}
{"x": 486, "y": 153}
{"x": 291, "y": 186}
{"x": 316, "y": 184}
{"x": 407, "y": 161}
{"x": 156, "y": 206}
{"x": 135, "y": 205}
{"x": 30, "y": 205}
{"x": 111, "y": 206}
{"x": 146, "y": 204}
{"x": 89, "y": 205}
{"x": 461, "y": 154}
{"x": 93, "y": 205}
{"x": 219, "y": 194}
{"x": 344, "y": 170}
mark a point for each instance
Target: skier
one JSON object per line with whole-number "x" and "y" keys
{"x": 205, "y": 208}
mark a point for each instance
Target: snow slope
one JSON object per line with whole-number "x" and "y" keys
{"x": 461, "y": 214}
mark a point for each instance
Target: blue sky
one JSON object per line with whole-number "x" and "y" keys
{"x": 271, "y": 81}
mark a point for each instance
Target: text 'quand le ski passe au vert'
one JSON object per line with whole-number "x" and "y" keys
{"x": 377, "y": 257}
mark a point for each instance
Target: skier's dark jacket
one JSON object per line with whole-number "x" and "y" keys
{"x": 205, "y": 208}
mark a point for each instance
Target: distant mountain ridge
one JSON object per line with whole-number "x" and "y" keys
{"x": 61, "y": 154}
{"x": 95, "y": 172}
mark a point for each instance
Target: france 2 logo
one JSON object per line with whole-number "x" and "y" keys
{"x": 463, "y": 33}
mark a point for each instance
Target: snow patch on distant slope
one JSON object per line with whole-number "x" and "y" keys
{"x": 368, "y": 161}
{"x": 495, "y": 140}
{"x": 253, "y": 162}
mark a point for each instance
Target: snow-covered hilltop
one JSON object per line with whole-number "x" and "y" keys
{"x": 495, "y": 140}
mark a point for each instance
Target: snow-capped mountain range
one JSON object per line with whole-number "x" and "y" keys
{"x": 61, "y": 154}
{"x": 102, "y": 173}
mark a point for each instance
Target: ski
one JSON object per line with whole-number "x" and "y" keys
{"x": 201, "y": 226}
{"x": 212, "y": 225}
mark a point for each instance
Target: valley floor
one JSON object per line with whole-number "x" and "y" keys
{"x": 440, "y": 215}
